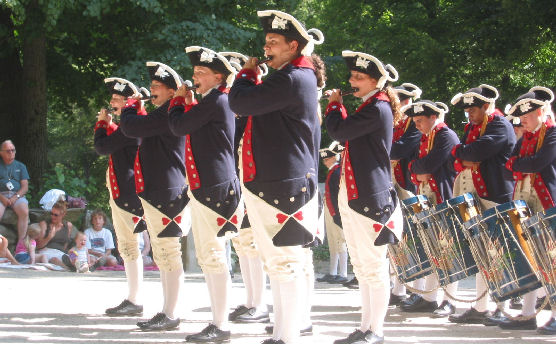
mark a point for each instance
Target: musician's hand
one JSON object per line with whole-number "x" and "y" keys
{"x": 104, "y": 115}
{"x": 181, "y": 92}
{"x": 334, "y": 95}
{"x": 252, "y": 64}
{"x": 423, "y": 177}
{"x": 189, "y": 97}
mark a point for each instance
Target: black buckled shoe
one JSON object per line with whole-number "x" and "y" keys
{"x": 352, "y": 284}
{"x": 356, "y": 336}
{"x": 411, "y": 299}
{"x": 160, "y": 322}
{"x": 495, "y": 318}
{"x": 338, "y": 279}
{"x": 326, "y": 278}
{"x": 241, "y": 309}
{"x": 307, "y": 331}
{"x": 396, "y": 300}
{"x": 549, "y": 328}
{"x": 253, "y": 316}
{"x": 470, "y": 316}
{"x": 125, "y": 308}
{"x": 445, "y": 309}
{"x": 518, "y": 324}
{"x": 420, "y": 305}
{"x": 210, "y": 334}
{"x": 67, "y": 262}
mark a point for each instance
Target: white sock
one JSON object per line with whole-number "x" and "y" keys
{"x": 365, "y": 291}
{"x": 503, "y": 305}
{"x": 134, "y": 274}
{"x": 246, "y": 276}
{"x": 333, "y": 270}
{"x": 431, "y": 281}
{"x": 174, "y": 280}
{"x": 343, "y": 266}
{"x": 541, "y": 292}
{"x": 258, "y": 282}
{"x": 529, "y": 302}
{"x": 480, "y": 286}
{"x": 451, "y": 289}
{"x": 277, "y": 309}
{"x": 379, "y": 304}
{"x": 219, "y": 288}
{"x": 399, "y": 288}
{"x": 164, "y": 291}
{"x": 291, "y": 294}
{"x": 419, "y": 284}
{"x": 309, "y": 289}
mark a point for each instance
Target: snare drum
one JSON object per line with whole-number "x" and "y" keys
{"x": 540, "y": 231}
{"x": 408, "y": 256}
{"x": 500, "y": 250}
{"x": 441, "y": 230}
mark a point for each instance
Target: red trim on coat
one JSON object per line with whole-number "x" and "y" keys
{"x": 327, "y": 196}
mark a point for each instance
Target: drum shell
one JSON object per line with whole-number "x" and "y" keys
{"x": 442, "y": 230}
{"x": 499, "y": 254}
{"x": 408, "y": 257}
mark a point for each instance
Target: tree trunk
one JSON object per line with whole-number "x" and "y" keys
{"x": 33, "y": 151}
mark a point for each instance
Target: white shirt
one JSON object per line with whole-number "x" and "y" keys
{"x": 99, "y": 241}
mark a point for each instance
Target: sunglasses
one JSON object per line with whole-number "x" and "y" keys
{"x": 9, "y": 150}
{"x": 54, "y": 214}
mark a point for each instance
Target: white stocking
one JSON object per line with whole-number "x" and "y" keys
{"x": 219, "y": 284}
{"x": 333, "y": 270}
{"x": 277, "y": 309}
{"x": 343, "y": 264}
{"x": 291, "y": 294}
{"x": 503, "y": 305}
{"x": 451, "y": 289}
{"x": 399, "y": 288}
{"x": 529, "y": 302}
{"x": 379, "y": 304}
{"x": 134, "y": 274}
{"x": 246, "y": 276}
{"x": 174, "y": 280}
{"x": 419, "y": 284}
{"x": 258, "y": 282}
{"x": 480, "y": 286}
{"x": 365, "y": 291}
{"x": 164, "y": 291}
{"x": 431, "y": 281}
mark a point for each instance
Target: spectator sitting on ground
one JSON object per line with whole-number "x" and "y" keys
{"x": 14, "y": 184}
{"x": 25, "y": 248}
{"x": 145, "y": 248}
{"x": 100, "y": 241}
{"x": 4, "y": 252}
{"x": 78, "y": 258}
{"x": 55, "y": 234}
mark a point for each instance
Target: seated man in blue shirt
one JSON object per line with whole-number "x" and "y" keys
{"x": 14, "y": 184}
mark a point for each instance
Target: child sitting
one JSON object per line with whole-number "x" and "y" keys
{"x": 4, "y": 252}
{"x": 25, "y": 248}
{"x": 99, "y": 240}
{"x": 78, "y": 258}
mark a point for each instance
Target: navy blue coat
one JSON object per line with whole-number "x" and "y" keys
{"x": 406, "y": 149}
{"x": 161, "y": 156}
{"x": 439, "y": 163}
{"x": 285, "y": 138}
{"x": 333, "y": 185}
{"x": 210, "y": 125}
{"x": 492, "y": 150}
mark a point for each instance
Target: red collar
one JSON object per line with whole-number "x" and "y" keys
{"x": 303, "y": 62}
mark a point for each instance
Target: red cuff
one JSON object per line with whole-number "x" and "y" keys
{"x": 101, "y": 124}
{"x": 177, "y": 101}
{"x": 458, "y": 166}
{"x": 455, "y": 149}
{"x": 189, "y": 106}
{"x": 134, "y": 103}
{"x": 336, "y": 106}
{"x": 510, "y": 163}
{"x": 248, "y": 74}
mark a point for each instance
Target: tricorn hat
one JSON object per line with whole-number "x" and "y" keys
{"x": 476, "y": 96}
{"x": 370, "y": 65}
{"x": 144, "y": 92}
{"x": 121, "y": 86}
{"x": 166, "y": 75}
{"x": 333, "y": 150}
{"x": 426, "y": 108}
{"x": 407, "y": 90}
{"x": 286, "y": 25}
{"x": 200, "y": 56}
{"x": 537, "y": 97}
{"x": 237, "y": 60}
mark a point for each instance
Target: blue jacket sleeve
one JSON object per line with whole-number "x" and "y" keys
{"x": 153, "y": 124}
{"x": 406, "y": 146}
{"x": 366, "y": 121}
{"x": 486, "y": 146}
{"x": 183, "y": 123}
{"x": 108, "y": 144}
{"x": 445, "y": 140}
{"x": 544, "y": 156}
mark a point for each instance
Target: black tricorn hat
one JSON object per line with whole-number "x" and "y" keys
{"x": 144, "y": 92}
{"x": 426, "y": 108}
{"x": 200, "y": 56}
{"x": 407, "y": 90}
{"x": 333, "y": 150}
{"x": 237, "y": 60}
{"x": 370, "y": 65}
{"x": 166, "y": 75}
{"x": 476, "y": 96}
{"x": 537, "y": 97}
{"x": 279, "y": 22}
{"x": 121, "y": 86}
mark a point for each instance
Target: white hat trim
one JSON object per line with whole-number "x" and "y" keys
{"x": 229, "y": 67}
{"x": 175, "y": 75}
{"x": 281, "y": 19}
{"x": 544, "y": 89}
{"x": 233, "y": 54}
{"x": 416, "y": 93}
{"x": 524, "y": 106}
{"x": 381, "y": 68}
{"x": 124, "y": 82}
{"x": 440, "y": 107}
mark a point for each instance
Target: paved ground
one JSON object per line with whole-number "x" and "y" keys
{"x": 63, "y": 307}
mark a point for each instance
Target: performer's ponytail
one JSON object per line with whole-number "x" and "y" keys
{"x": 394, "y": 103}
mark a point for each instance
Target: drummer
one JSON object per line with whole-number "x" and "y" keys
{"x": 533, "y": 163}
{"x": 434, "y": 176}
{"x": 487, "y": 144}
{"x": 404, "y": 147}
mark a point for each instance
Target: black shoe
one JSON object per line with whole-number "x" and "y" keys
{"x": 253, "y": 316}
{"x": 326, "y": 278}
{"x": 539, "y": 303}
{"x": 356, "y": 336}
{"x": 67, "y": 262}
{"x": 420, "y": 305}
{"x": 272, "y": 341}
{"x": 338, "y": 279}
{"x": 160, "y": 322}
{"x": 515, "y": 303}
{"x": 410, "y": 300}
{"x": 397, "y": 300}
{"x": 125, "y": 308}
{"x": 307, "y": 331}
{"x": 445, "y": 309}
{"x": 352, "y": 284}
{"x": 518, "y": 324}
{"x": 100, "y": 262}
{"x": 470, "y": 316}
{"x": 548, "y": 328}
{"x": 371, "y": 338}
{"x": 210, "y": 334}
{"x": 495, "y": 318}
{"x": 241, "y": 309}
